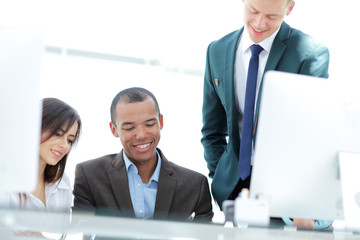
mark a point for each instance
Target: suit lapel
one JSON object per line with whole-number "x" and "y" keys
{"x": 278, "y": 48}
{"x": 230, "y": 56}
{"x": 119, "y": 183}
{"x": 166, "y": 189}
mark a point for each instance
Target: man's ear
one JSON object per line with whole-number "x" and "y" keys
{"x": 113, "y": 129}
{"x": 161, "y": 121}
{"x": 290, "y": 8}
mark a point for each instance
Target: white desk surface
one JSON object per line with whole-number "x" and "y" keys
{"x": 125, "y": 228}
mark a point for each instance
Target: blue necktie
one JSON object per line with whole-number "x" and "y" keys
{"x": 248, "y": 115}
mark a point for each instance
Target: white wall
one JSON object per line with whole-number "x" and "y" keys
{"x": 176, "y": 34}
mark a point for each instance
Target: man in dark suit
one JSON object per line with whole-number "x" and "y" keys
{"x": 139, "y": 181}
{"x": 225, "y": 83}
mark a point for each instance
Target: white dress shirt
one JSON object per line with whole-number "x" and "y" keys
{"x": 58, "y": 197}
{"x": 242, "y": 58}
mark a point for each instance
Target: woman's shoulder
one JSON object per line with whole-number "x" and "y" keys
{"x": 4, "y": 196}
{"x": 9, "y": 199}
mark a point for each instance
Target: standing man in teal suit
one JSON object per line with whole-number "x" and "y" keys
{"x": 283, "y": 49}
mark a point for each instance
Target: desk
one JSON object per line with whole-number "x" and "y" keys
{"x": 125, "y": 228}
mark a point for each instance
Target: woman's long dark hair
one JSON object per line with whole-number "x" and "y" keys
{"x": 57, "y": 115}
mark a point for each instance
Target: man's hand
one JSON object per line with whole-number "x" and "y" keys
{"x": 304, "y": 223}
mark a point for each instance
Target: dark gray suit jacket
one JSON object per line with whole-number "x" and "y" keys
{"x": 101, "y": 185}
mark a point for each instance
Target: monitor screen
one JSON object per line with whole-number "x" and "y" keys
{"x": 304, "y": 123}
{"x": 20, "y": 107}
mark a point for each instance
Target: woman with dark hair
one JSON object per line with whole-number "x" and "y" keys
{"x": 60, "y": 130}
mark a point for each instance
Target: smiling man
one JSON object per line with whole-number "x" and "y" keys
{"x": 139, "y": 181}
{"x": 235, "y": 65}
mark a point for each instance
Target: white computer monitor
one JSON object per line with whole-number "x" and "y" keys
{"x": 304, "y": 123}
{"x": 20, "y": 107}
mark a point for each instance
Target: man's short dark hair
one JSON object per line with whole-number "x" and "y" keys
{"x": 131, "y": 95}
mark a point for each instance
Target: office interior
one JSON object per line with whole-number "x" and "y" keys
{"x": 96, "y": 48}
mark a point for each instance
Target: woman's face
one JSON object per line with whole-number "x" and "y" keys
{"x": 57, "y": 146}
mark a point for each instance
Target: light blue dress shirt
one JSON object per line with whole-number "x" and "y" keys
{"x": 143, "y": 196}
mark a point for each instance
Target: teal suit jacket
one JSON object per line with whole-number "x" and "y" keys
{"x": 292, "y": 51}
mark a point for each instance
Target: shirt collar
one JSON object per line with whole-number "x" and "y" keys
{"x": 156, "y": 174}
{"x": 63, "y": 184}
{"x": 60, "y": 184}
{"x": 246, "y": 41}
